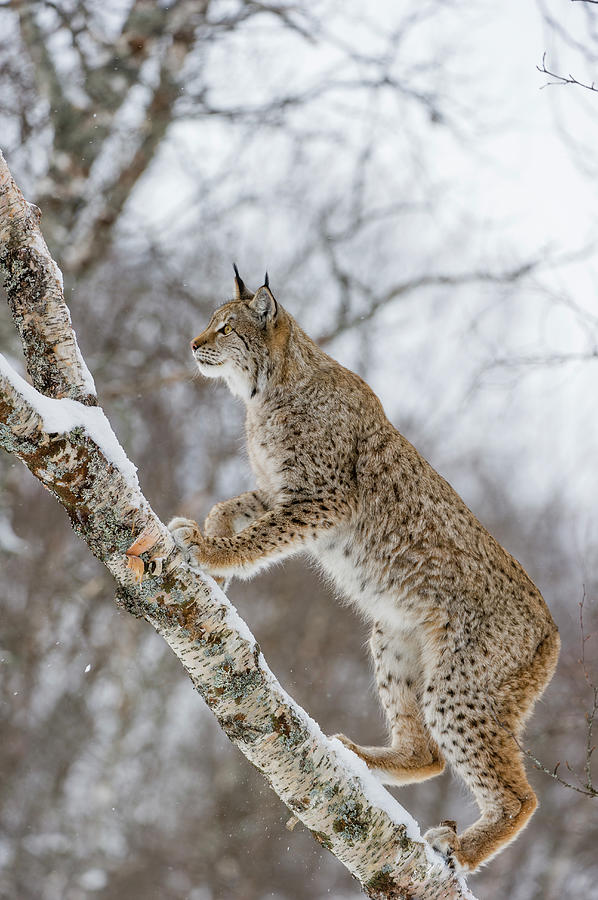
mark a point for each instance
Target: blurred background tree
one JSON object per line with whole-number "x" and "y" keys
{"x": 419, "y": 212}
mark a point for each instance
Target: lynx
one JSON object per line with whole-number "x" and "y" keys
{"x": 462, "y": 641}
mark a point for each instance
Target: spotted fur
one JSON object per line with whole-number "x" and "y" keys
{"x": 462, "y": 641}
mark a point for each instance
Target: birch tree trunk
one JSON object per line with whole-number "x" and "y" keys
{"x": 64, "y": 438}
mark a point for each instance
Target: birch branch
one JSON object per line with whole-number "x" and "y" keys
{"x": 34, "y": 287}
{"x": 70, "y": 447}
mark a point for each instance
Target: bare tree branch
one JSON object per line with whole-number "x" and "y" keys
{"x": 563, "y": 79}
{"x": 592, "y": 712}
{"x": 410, "y": 285}
{"x": 553, "y": 360}
{"x": 71, "y": 448}
{"x": 585, "y": 787}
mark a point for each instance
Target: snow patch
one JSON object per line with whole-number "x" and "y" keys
{"x": 375, "y": 791}
{"x": 232, "y": 617}
{"x": 466, "y": 892}
{"x": 61, "y": 416}
{"x": 88, "y": 382}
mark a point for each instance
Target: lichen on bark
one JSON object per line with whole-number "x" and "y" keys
{"x": 33, "y": 285}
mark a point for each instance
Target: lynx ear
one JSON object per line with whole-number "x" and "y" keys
{"x": 241, "y": 292}
{"x": 264, "y": 304}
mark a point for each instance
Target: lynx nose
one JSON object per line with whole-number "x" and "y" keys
{"x": 195, "y": 344}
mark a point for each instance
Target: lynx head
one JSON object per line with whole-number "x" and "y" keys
{"x": 241, "y": 341}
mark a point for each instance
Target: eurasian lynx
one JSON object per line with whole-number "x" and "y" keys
{"x": 462, "y": 641}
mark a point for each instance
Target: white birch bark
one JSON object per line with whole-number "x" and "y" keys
{"x": 33, "y": 284}
{"x": 69, "y": 446}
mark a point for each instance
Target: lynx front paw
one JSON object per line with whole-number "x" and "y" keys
{"x": 445, "y": 841}
{"x": 187, "y": 535}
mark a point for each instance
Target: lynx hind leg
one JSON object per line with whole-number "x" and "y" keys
{"x": 517, "y": 695}
{"x": 506, "y": 801}
{"x": 476, "y": 733}
{"x": 231, "y": 516}
{"x": 413, "y": 755}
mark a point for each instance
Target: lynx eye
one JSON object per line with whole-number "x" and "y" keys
{"x": 226, "y": 329}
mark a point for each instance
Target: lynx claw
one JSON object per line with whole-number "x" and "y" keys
{"x": 185, "y": 532}
{"x": 191, "y": 542}
{"x": 445, "y": 841}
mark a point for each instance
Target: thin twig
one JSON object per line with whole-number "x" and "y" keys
{"x": 563, "y": 79}
{"x": 548, "y": 361}
{"x": 588, "y": 792}
{"x": 591, "y": 715}
{"x": 586, "y": 787}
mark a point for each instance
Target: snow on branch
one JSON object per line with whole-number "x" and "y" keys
{"x": 71, "y": 448}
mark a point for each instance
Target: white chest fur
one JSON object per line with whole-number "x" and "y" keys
{"x": 339, "y": 557}
{"x": 264, "y": 463}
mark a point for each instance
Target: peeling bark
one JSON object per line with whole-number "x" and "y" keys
{"x": 70, "y": 448}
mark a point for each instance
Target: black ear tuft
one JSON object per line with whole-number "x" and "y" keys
{"x": 241, "y": 291}
{"x": 266, "y": 280}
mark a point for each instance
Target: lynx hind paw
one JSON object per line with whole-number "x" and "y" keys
{"x": 444, "y": 840}
{"x": 346, "y": 741}
{"x": 184, "y": 531}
